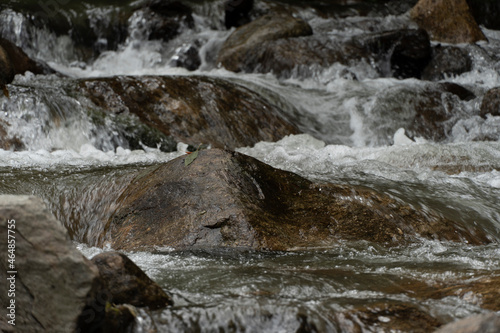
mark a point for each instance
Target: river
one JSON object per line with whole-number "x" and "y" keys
{"x": 350, "y": 137}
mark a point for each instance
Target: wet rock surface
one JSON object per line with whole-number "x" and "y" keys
{"x": 402, "y": 54}
{"x": 14, "y": 61}
{"x": 127, "y": 283}
{"x": 388, "y": 317}
{"x": 447, "y": 61}
{"x": 193, "y": 109}
{"x": 447, "y": 21}
{"x": 240, "y": 52}
{"x": 491, "y": 103}
{"x": 428, "y": 112}
{"x": 226, "y": 199}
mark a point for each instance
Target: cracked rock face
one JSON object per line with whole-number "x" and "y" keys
{"x": 227, "y": 199}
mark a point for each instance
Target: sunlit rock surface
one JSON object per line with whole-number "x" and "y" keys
{"x": 226, "y": 199}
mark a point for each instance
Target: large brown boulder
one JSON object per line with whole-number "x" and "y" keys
{"x": 193, "y": 109}
{"x": 448, "y": 21}
{"x": 243, "y": 47}
{"x": 52, "y": 281}
{"x": 227, "y": 199}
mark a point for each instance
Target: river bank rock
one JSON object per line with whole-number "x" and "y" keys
{"x": 447, "y": 21}
{"x": 242, "y": 49}
{"x": 227, "y": 199}
{"x": 483, "y": 323}
{"x": 491, "y": 103}
{"x": 54, "y": 281}
{"x": 192, "y": 109}
{"x": 127, "y": 283}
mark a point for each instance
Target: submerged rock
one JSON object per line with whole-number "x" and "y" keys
{"x": 447, "y": 61}
{"x": 127, "y": 283}
{"x": 53, "y": 281}
{"x": 387, "y": 317}
{"x": 447, "y": 21}
{"x": 7, "y": 142}
{"x": 491, "y": 103}
{"x": 226, "y": 199}
{"x": 193, "y": 109}
{"x": 427, "y": 112}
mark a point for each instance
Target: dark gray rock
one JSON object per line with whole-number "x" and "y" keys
{"x": 446, "y": 61}
{"x": 128, "y": 284}
{"x": 237, "y": 12}
{"x": 166, "y": 18}
{"x": 54, "y": 281}
{"x": 491, "y": 103}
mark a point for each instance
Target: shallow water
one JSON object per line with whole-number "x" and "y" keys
{"x": 78, "y": 166}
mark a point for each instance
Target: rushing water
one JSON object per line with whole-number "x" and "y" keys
{"x": 74, "y": 163}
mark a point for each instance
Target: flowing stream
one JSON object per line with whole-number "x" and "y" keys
{"x": 350, "y": 136}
